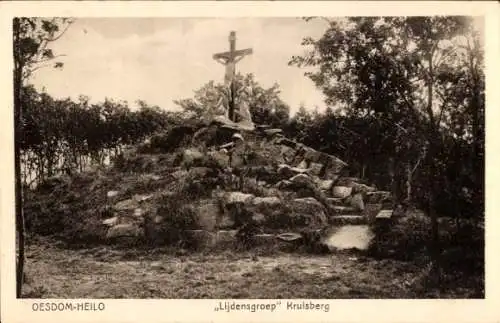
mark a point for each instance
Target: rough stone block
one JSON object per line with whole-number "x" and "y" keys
{"x": 207, "y": 215}
{"x": 226, "y": 238}
{"x": 203, "y": 238}
{"x": 111, "y": 221}
{"x": 124, "y": 230}
{"x": 341, "y": 191}
{"x": 357, "y": 202}
{"x": 371, "y": 210}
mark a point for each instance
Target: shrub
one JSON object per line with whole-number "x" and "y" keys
{"x": 134, "y": 163}
{"x": 177, "y": 216}
{"x": 403, "y": 238}
{"x": 176, "y": 137}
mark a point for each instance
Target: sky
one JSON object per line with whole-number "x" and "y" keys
{"x": 159, "y": 60}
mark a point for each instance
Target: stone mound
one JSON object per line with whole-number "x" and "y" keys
{"x": 259, "y": 180}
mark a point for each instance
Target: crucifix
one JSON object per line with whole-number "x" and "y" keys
{"x": 229, "y": 60}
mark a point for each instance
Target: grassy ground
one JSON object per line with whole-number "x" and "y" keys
{"x": 104, "y": 272}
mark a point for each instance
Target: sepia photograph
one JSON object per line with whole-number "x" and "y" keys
{"x": 263, "y": 157}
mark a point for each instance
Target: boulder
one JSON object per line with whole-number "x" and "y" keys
{"x": 238, "y": 155}
{"x": 207, "y": 215}
{"x": 362, "y": 188}
{"x": 190, "y": 156}
{"x": 315, "y": 168}
{"x": 264, "y": 202}
{"x": 199, "y": 172}
{"x": 371, "y": 210}
{"x": 335, "y": 165}
{"x": 297, "y": 159}
{"x": 341, "y": 191}
{"x": 384, "y": 215}
{"x": 302, "y": 165}
{"x": 125, "y": 205}
{"x": 332, "y": 201}
{"x": 330, "y": 174}
{"x": 179, "y": 174}
{"x": 357, "y": 202}
{"x": 301, "y": 180}
{"x": 112, "y": 194}
{"x": 347, "y": 181}
{"x": 273, "y": 132}
{"x": 310, "y": 212}
{"x": 263, "y": 173}
{"x": 312, "y": 155}
{"x": 237, "y": 197}
{"x": 269, "y": 212}
{"x": 272, "y": 191}
{"x": 288, "y": 153}
{"x": 259, "y": 218}
{"x": 139, "y": 213}
{"x": 287, "y": 142}
{"x": 285, "y": 171}
{"x": 124, "y": 230}
{"x": 225, "y": 220}
{"x": 220, "y": 157}
{"x": 111, "y": 221}
{"x": 289, "y": 236}
{"x": 226, "y": 238}
{"x": 202, "y": 238}
{"x": 143, "y": 197}
{"x": 283, "y": 185}
{"x": 325, "y": 185}
{"x": 151, "y": 177}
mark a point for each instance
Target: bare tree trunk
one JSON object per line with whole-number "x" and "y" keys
{"x": 433, "y": 138}
{"x": 436, "y": 248}
{"x": 409, "y": 179}
{"x": 393, "y": 183}
{"x": 20, "y": 225}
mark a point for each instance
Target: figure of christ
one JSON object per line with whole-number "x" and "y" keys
{"x": 229, "y": 60}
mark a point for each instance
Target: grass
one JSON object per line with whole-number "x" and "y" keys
{"x": 110, "y": 272}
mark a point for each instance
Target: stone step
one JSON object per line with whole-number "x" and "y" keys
{"x": 335, "y": 201}
{"x": 345, "y": 219}
{"x": 345, "y": 210}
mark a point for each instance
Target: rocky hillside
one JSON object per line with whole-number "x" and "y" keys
{"x": 207, "y": 185}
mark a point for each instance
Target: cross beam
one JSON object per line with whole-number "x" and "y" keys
{"x": 229, "y": 60}
{"x": 236, "y": 55}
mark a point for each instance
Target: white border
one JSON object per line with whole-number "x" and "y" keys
{"x": 487, "y": 310}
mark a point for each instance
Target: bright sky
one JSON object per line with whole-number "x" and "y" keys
{"x": 163, "y": 59}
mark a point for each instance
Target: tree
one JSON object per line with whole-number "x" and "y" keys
{"x": 31, "y": 40}
{"x": 265, "y": 104}
{"x": 400, "y": 72}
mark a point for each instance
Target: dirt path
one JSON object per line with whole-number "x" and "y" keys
{"x": 110, "y": 273}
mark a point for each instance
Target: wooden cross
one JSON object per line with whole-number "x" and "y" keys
{"x": 229, "y": 59}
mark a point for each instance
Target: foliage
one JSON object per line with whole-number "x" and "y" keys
{"x": 265, "y": 105}
{"x": 31, "y": 40}
{"x": 177, "y": 218}
{"x": 67, "y": 208}
{"x": 59, "y": 136}
{"x": 406, "y": 238}
{"x": 406, "y": 98}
